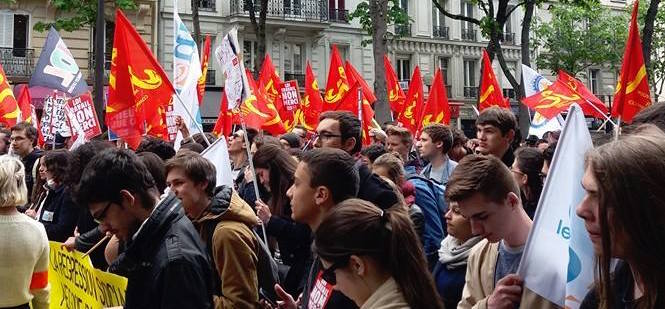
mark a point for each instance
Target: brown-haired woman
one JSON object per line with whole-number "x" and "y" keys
{"x": 624, "y": 211}
{"x": 527, "y": 170}
{"x": 275, "y": 169}
{"x": 373, "y": 257}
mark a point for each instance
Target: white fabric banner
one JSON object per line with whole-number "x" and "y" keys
{"x": 236, "y": 85}
{"x": 558, "y": 258}
{"x": 218, "y": 154}
{"x": 534, "y": 83}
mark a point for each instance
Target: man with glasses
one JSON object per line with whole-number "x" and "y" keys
{"x": 163, "y": 258}
{"x": 341, "y": 130}
{"x": 23, "y": 140}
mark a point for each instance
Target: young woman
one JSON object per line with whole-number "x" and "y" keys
{"x": 24, "y": 246}
{"x": 450, "y": 271}
{"x": 373, "y": 257}
{"x": 624, "y": 211}
{"x": 275, "y": 170}
{"x": 527, "y": 169}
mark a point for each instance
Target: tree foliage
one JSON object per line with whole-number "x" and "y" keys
{"x": 579, "y": 37}
{"x": 396, "y": 17}
{"x": 656, "y": 66}
{"x": 81, "y": 13}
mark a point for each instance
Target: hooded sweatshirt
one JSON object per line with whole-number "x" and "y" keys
{"x": 226, "y": 229}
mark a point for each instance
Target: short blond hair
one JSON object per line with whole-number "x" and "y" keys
{"x": 13, "y": 191}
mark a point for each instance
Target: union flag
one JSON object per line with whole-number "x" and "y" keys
{"x": 437, "y": 109}
{"x": 205, "y": 56}
{"x": 590, "y": 104}
{"x": 350, "y": 103}
{"x": 413, "y": 108}
{"x": 311, "y": 103}
{"x": 353, "y": 77}
{"x": 139, "y": 90}
{"x": 24, "y": 104}
{"x": 632, "y": 93}
{"x": 396, "y": 96}
{"x": 224, "y": 124}
{"x": 554, "y": 99}
{"x": 9, "y": 109}
{"x": 258, "y": 112}
{"x": 269, "y": 83}
{"x": 490, "y": 91}
{"x": 338, "y": 84}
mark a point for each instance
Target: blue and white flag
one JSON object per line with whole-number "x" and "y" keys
{"x": 534, "y": 83}
{"x": 186, "y": 74}
{"x": 558, "y": 260}
{"x": 57, "y": 69}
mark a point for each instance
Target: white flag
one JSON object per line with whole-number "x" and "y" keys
{"x": 186, "y": 74}
{"x": 236, "y": 85}
{"x": 557, "y": 263}
{"x": 534, "y": 83}
{"x": 218, "y": 154}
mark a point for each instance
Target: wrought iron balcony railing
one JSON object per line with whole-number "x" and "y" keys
{"x": 441, "y": 32}
{"x": 304, "y": 10}
{"x": 470, "y": 92}
{"x": 469, "y": 34}
{"x": 17, "y": 62}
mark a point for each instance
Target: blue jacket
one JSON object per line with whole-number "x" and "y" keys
{"x": 433, "y": 231}
{"x": 448, "y": 169}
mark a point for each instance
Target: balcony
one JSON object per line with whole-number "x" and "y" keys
{"x": 469, "y": 35}
{"x": 441, "y": 32}
{"x": 510, "y": 93}
{"x": 207, "y": 5}
{"x": 303, "y": 10}
{"x": 470, "y": 92}
{"x": 508, "y": 38}
{"x": 91, "y": 65}
{"x": 210, "y": 77}
{"x": 17, "y": 62}
{"x": 403, "y": 30}
{"x": 296, "y": 76}
{"x": 339, "y": 16}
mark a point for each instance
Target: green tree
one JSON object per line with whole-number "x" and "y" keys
{"x": 375, "y": 16}
{"x": 578, "y": 37}
{"x": 82, "y": 13}
{"x": 653, "y": 42}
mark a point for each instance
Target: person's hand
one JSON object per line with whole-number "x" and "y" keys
{"x": 263, "y": 211}
{"x": 182, "y": 127}
{"x": 70, "y": 243}
{"x": 507, "y": 293}
{"x": 76, "y": 232}
{"x": 31, "y": 213}
{"x": 249, "y": 176}
{"x": 287, "y": 301}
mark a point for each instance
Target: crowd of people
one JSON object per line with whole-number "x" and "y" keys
{"x": 437, "y": 220}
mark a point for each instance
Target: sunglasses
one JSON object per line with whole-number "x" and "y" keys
{"x": 329, "y": 273}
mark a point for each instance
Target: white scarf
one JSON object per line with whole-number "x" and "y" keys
{"x": 453, "y": 254}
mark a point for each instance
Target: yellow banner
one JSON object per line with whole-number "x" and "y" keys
{"x": 75, "y": 283}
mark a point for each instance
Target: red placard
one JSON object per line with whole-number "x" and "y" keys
{"x": 290, "y": 94}
{"x": 81, "y": 110}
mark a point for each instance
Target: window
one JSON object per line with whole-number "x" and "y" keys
{"x": 594, "y": 75}
{"x": 14, "y": 32}
{"x": 292, "y": 7}
{"x": 439, "y": 29}
{"x": 294, "y": 55}
{"x": 444, "y": 63}
{"x": 207, "y": 5}
{"x": 403, "y": 68}
{"x": 249, "y": 54}
{"x": 470, "y": 89}
{"x": 404, "y": 5}
{"x": 508, "y": 26}
{"x": 343, "y": 52}
{"x": 468, "y": 32}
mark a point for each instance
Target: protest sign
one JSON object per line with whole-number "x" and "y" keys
{"x": 290, "y": 94}
{"x": 75, "y": 283}
{"x": 54, "y": 118}
{"x": 82, "y": 116}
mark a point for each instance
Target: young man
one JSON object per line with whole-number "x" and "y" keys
{"x": 240, "y": 162}
{"x": 400, "y": 140}
{"x": 495, "y": 130}
{"x": 164, "y": 260}
{"x": 488, "y": 196}
{"x": 341, "y": 130}
{"x": 315, "y": 191}
{"x": 224, "y": 222}
{"x": 4, "y": 140}
{"x": 434, "y": 144}
{"x": 23, "y": 141}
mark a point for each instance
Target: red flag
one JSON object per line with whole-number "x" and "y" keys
{"x": 587, "y": 99}
{"x": 437, "y": 109}
{"x": 490, "y": 91}
{"x": 414, "y": 103}
{"x": 269, "y": 83}
{"x": 353, "y": 76}
{"x": 556, "y": 98}
{"x": 9, "y": 110}
{"x": 338, "y": 84}
{"x": 205, "y": 55}
{"x": 350, "y": 103}
{"x": 24, "y": 102}
{"x": 139, "y": 90}
{"x": 396, "y": 96}
{"x": 258, "y": 112}
{"x": 632, "y": 93}
{"x": 223, "y": 125}
{"x": 311, "y": 103}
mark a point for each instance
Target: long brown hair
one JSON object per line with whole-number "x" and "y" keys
{"x": 282, "y": 167}
{"x": 357, "y": 227}
{"x": 629, "y": 174}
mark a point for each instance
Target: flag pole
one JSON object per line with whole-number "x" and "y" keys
{"x": 196, "y": 123}
{"x": 360, "y": 113}
{"x": 251, "y": 166}
{"x": 617, "y": 128}
{"x": 601, "y": 112}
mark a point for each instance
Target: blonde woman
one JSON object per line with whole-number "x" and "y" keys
{"x": 24, "y": 246}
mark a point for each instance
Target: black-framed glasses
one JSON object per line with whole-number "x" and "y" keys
{"x": 325, "y": 136}
{"x": 329, "y": 273}
{"x": 99, "y": 218}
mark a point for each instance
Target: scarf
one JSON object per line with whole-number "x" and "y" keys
{"x": 453, "y": 254}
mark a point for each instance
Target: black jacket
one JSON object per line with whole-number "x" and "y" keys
{"x": 165, "y": 263}
{"x": 29, "y": 162}
{"x": 337, "y": 300}
{"x": 59, "y": 214}
{"x": 374, "y": 189}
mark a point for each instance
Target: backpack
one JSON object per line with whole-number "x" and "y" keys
{"x": 439, "y": 193}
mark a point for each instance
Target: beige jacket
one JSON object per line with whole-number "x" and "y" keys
{"x": 387, "y": 296}
{"x": 480, "y": 280}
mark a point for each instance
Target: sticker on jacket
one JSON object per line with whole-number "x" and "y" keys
{"x": 47, "y": 216}
{"x": 320, "y": 294}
